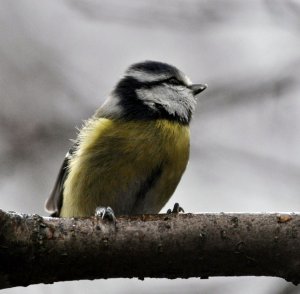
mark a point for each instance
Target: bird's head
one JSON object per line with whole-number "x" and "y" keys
{"x": 152, "y": 89}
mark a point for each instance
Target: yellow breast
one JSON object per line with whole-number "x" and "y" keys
{"x": 134, "y": 167}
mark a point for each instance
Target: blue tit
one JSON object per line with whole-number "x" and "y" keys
{"x": 130, "y": 155}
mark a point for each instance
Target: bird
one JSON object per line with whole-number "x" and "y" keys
{"x": 129, "y": 157}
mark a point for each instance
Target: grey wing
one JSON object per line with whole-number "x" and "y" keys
{"x": 54, "y": 202}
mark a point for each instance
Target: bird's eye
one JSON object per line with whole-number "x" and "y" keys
{"x": 174, "y": 81}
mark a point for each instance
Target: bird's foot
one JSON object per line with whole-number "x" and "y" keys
{"x": 176, "y": 209}
{"x": 105, "y": 213}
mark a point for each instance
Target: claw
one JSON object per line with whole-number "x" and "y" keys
{"x": 176, "y": 209}
{"x": 105, "y": 213}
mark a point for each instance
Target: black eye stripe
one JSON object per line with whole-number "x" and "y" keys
{"x": 136, "y": 84}
{"x": 174, "y": 81}
{"x": 170, "y": 81}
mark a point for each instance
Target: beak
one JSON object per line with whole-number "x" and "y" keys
{"x": 197, "y": 88}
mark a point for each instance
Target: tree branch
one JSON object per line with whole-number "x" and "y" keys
{"x": 36, "y": 249}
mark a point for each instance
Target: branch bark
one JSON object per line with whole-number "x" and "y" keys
{"x": 36, "y": 249}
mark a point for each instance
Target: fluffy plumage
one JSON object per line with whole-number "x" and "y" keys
{"x": 132, "y": 153}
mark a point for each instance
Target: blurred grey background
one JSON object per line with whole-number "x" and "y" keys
{"x": 59, "y": 59}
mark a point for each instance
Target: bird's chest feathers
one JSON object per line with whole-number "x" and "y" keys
{"x": 160, "y": 139}
{"x": 116, "y": 160}
{"x": 172, "y": 141}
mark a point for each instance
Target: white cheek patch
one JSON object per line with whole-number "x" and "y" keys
{"x": 150, "y": 97}
{"x": 174, "y": 102}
